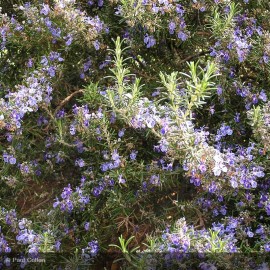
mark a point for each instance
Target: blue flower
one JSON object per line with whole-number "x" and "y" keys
{"x": 45, "y": 9}
{"x": 267, "y": 247}
{"x": 172, "y": 27}
{"x": 219, "y": 90}
{"x": 80, "y": 162}
{"x": 149, "y": 41}
{"x": 181, "y": 35}
{"x": 87, "y": 226}
{"x": 121, "y": 132}
{"x": 12, "y": 160}
{"x": 57, "y": 245}
{"x": 96, "y": 44}
{"x": 121, "y": 180}
{"x": 133, "y": 155}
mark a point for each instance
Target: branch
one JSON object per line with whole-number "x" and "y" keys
{"x": 67, "y": 99}
{"x": 37, "y": 206}
{"x": 190, "y": 57}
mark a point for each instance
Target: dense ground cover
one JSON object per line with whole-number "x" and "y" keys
{"x": 134, "y": 134}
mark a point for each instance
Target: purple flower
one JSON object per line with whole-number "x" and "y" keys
{"x": 202, "y": 9}
{"x": 67, "y": 191}
{"x": 72, "y": 129}
{"x": 80, "y": 162}
{"x": 56, "y": 203}
{"x": 163, "y": 145}
{"x": 181, "y": 35}
{"x": 179, "y": 9}
{"x": 115, "y": 155}
{"x": 97, "y": 191}
{"x": 267, "y": 247}
{"x": 87, "y": 226}
{"x": 60, "y": 114}
{"x": 57, "y": 245}
{"x": 96, "y": 44}
{"x": 212, "y": 188}
{"x": 44, "y": 61}
{"x": 87, "y": 65}
{"x": 6, "y": 157}
{"x": 202, "y": 167}
{"x": 207, "y": 266}
{"x": 121, "y": 132}
{"x": 260, "y": 230}
{"x": 55, "y": 56}
{"x": 133, "y": 155}
{"x": 94, "y": 247}
{"x": 237, "y": 117}
{"x": 45, "y": 10}
{"x": 69, "y": 205}
{"x": 259, "y": 30}
{"x": 265, "y": 58}
{"x": 267, "y": 209}
{"x": 196, "y": 181}
{"x": 219, "y": 90}
{"x": 121, "y": 180}
{"x": 68, "y": 39}
{"x": 233, "y": 223}
{"x": 149, "y": 41}
{"x": 212, "y": 109}
{"x": 104, "y": 167}
{"x": 250, "y": 234}
{"x": 234, "y": 182}
{"x": 56, "y": 32}
{"x": 51, "y": 71}
{"x": 111, "y": 182}
{"x": 154, "y": 180}
{"x": 155, "y": 8}
{"x": 48, "y": 22}
{"x": 223, "y": 210}
{"x": 223, "y": 131}
{"x": 219, "y": 166}
{"x": 24, "y": 168}
{"x": 26, "y": 236}
{"x": 172, "y": 27}
{"x": 30, "y": 63}
{"x": 12, "y": 160}
{"x": 100, "y": 3}
{"x": 263, "y": 96}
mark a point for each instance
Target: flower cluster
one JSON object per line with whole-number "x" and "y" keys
{"x": 90, "y": 251}
{"x": 36, "y": 91}
{"x": 4, "y": 247}
{"x": 71, "y": 199}
{"x": 45, "y": 19}
{"x": 168, "y": 14}
{"x": 177, "y": 245}
{"x": 238, "y": 39}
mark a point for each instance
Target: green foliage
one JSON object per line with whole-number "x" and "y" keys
{"x": 128, "y": 254}
{"x": 119, "y": 118}
{"x": 224, "y": 23}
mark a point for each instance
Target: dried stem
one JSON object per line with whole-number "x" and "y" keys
{"x": 67, "y": 99}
